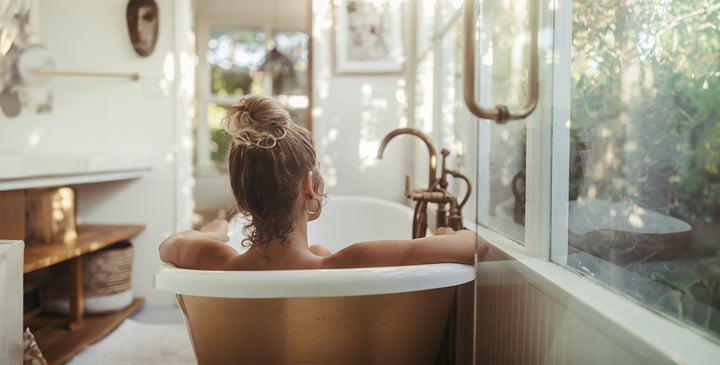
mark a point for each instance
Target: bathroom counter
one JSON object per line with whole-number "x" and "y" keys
{"x": 25, "y": 171}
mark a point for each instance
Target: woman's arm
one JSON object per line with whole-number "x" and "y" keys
{"x": 457, "y": 247}
{"x": 202, "y": 250}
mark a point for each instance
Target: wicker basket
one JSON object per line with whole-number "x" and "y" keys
{"x": 106, "y": 282}
{"x": 107, "y": 272}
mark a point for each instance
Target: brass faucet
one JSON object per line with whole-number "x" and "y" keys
{"x": 424, "y": 138}
{"x": 436, "y": 191}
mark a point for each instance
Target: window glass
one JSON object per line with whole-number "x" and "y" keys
{"x": 492, "y": 156}
{"x": 234, "y": 56}
{"x": 457, "y": 129}
{"x": 240, "y": 63}
{"x": 287, "y": 63}
{"x": 644, "y": 202}
{"x": 439, "y": 107}
{"x": 220, "y": 141}
{"x": 502, "y": 57}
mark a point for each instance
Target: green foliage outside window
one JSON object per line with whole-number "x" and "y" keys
{"x": 645, "y": 94}
{"x": 220, "y": 139}
{"x": 230, "y": 82}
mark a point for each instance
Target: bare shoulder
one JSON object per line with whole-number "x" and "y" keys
{"x": 241, "y": 261}
{"x": 454, "y": 247}
{"x": 363, "y": 254}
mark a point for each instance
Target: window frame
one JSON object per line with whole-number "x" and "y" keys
{"x": 543, "y": 258}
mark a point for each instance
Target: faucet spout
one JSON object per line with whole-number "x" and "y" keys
{"x": 417, "y": 133}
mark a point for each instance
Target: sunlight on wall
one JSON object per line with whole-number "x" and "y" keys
{"x": 322, "y": 25}
{"x": 329, "y": 138}
{"x": 428, "y": 9}
{"x": 370, "y": 124}
{"x": 34, "y": 138}
{"x": 449, "y": 135}
{"x": 351, "y": 114}
{"x": 187, "y": 71}
{"x": 402, "y": 103}
{"x": 164, "y": 86}
{"x": 322, "y": 7}
{"x": 424, "y": 105}
{"x": 169, "y": 67}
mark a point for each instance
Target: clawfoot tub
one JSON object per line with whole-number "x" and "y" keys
{"x": 384, "y": 315}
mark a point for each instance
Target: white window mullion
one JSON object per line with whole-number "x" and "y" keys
{"x": 483, "y": 70}
{"x": 539, "y": 177}
{"x": 538, "y": 186}
{"x": 439, "y": 68}
{"x": 560, "y": 68}
{"x": 203, "y": 92}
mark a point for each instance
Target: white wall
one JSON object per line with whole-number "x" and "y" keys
{"x": 351, "y": 115}
{"x": 151, "y": 117}
{"x": 118, "y": 116}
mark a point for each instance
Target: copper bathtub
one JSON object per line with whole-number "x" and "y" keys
{"x": 385, "y": 315}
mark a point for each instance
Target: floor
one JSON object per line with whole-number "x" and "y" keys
{"x": 159, "y": 315}
{"x": 154, "y": 335}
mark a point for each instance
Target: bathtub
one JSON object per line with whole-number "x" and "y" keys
{"x": 384, "y": 315}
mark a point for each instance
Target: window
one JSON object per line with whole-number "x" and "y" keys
{"x": 617, "y": 172}
{"x": 240, "y": 61}
{"x": 644, "y": 203}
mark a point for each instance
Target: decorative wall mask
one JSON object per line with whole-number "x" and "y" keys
{"x": 142, "y": 21}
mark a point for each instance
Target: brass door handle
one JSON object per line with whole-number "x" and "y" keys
{"x": 501, "y": 113}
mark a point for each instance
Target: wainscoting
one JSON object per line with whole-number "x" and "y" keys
{"x": 523, "y": 317}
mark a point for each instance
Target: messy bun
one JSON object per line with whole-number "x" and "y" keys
{"x": 257, "y": 122}
{"x": 268, "y": 156}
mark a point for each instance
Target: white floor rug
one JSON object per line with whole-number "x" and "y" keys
{"x": 136, "y": 343}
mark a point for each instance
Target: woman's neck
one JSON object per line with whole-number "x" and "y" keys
{"x": 292, "y": 253}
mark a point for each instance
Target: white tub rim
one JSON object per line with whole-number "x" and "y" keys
{"x": 318, "y": 282}
{"x": 310, "y": 283}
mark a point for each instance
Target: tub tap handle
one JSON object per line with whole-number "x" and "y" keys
{"x": 455, "y": 215}
{"x": 407, "y": 186}
{"x": 443, "y": 181}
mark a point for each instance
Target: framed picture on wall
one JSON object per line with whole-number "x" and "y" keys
{"x": 368, "y": 36}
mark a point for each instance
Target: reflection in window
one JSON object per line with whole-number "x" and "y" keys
{"x": 645, "y": 152}
{"x": 508, "y": 44}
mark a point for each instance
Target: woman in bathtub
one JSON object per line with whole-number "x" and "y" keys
{"x": 277, "y": 186}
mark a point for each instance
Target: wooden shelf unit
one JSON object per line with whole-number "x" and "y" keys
{"x": 90, "y": 238}
{"x": 59, "y": 337}
{"x": 60, "y": 344}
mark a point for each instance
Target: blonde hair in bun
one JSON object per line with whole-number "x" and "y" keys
{"x": 257, "y": 122}
{"x": 266, "y": 161}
